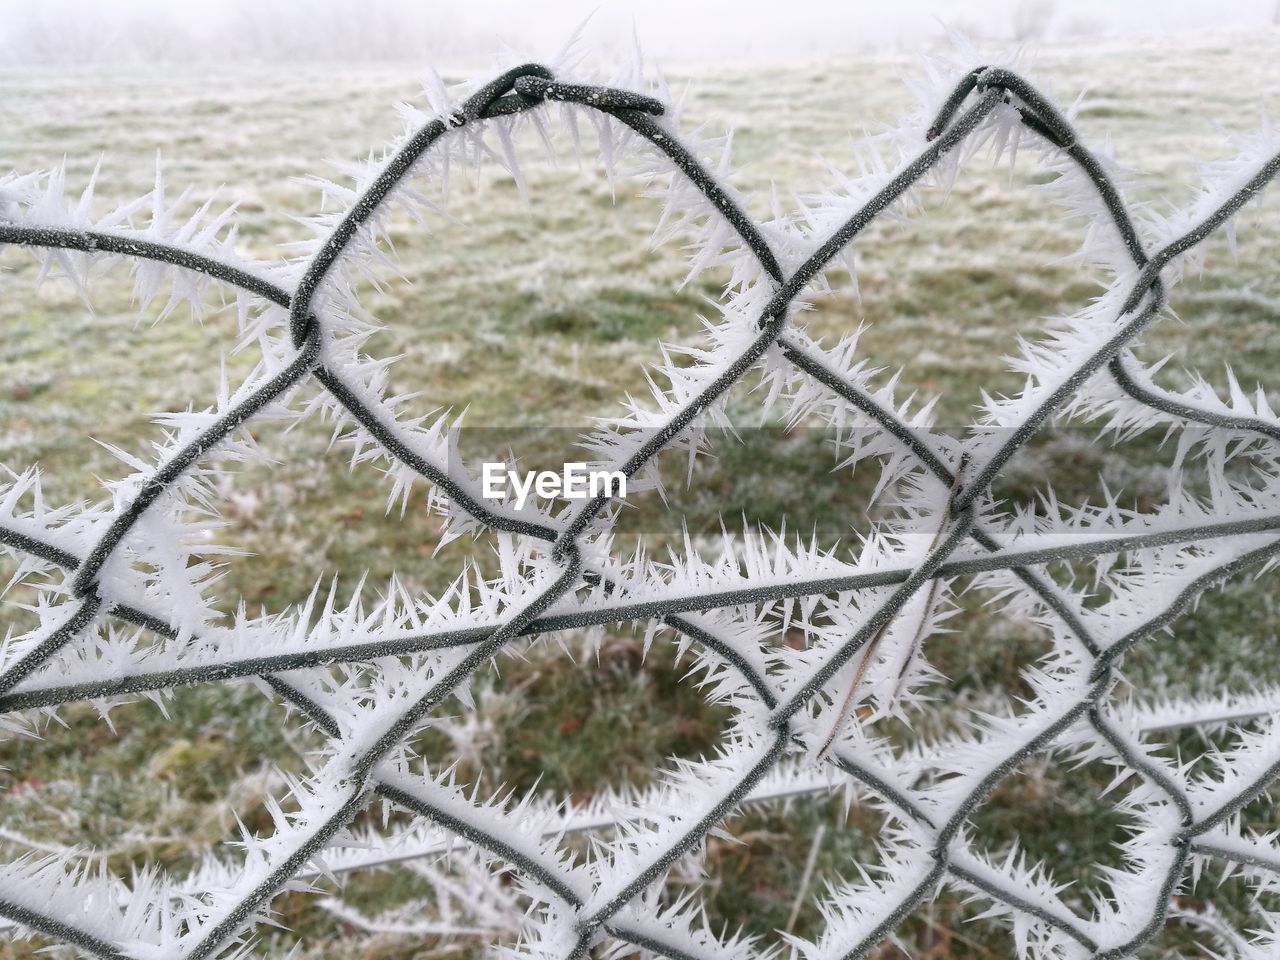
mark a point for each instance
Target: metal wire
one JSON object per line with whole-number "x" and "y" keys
{"x": 527, "y": 88}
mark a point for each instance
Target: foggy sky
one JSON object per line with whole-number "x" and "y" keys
{"x": 94, "y": 31}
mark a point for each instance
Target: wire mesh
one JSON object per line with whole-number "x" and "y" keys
{"x": 586, "y": 905}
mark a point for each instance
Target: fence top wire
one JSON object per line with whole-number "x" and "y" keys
{"x": 558, "y": 573}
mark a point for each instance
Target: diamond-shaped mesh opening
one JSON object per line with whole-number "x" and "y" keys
{"x": 597, "y": 714}
{"x": 1224, "y": 643}
{"x": 940, "y": 321}
{"x": 180, "y": 776}
{"x": 1060, "y": 815}
{"x": 303, "y": 499}
{"x": 72, "y": 401}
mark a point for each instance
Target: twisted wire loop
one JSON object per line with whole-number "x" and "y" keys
{"x": 574, "y": 587}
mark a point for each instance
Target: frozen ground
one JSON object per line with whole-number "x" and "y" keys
{"x": 544, "y": 314}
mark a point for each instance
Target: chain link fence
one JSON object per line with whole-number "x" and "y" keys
{"x": 798, "y": 713}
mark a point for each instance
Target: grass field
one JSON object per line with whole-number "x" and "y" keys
{"x": 543, "y": 314}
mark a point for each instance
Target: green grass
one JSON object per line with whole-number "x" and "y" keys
{"x": 543, "y": 315}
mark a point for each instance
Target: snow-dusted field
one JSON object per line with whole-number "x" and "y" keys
{"x": 542, "y": 313}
